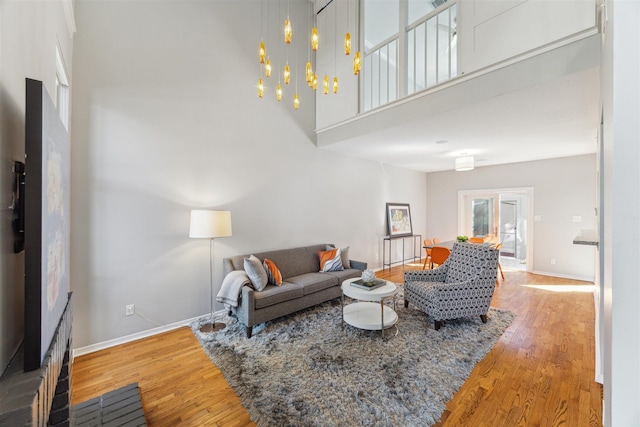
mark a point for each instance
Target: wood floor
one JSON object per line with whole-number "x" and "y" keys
{"x": 540, "y": 373}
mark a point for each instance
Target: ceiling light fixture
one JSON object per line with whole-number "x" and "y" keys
{"x": 265, "y": 47}
{"x": 464, "y": 163}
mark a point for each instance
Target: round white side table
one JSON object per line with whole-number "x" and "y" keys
{"x": 369, "y": 312}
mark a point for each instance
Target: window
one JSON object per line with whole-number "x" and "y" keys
{"x": 62, "y": 89}
{"x": 380, "y": 22}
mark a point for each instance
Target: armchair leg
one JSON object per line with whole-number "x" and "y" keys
{"x": 249, "y": 330}
{"x": 437, "y": 324}
{"x": 406, "y": 303}
{"x": 483, "y": 317}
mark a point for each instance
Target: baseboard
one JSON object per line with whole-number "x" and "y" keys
{"x": 138, "y": 335}
{"x": 564, "y": 276}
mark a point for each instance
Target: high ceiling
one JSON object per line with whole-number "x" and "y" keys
{"x": 544, "y": 108}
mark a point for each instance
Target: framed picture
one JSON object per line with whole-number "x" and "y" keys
{"x": 399, "y": 220}
{"x": 47, "y": 202}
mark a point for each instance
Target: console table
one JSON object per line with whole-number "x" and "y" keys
{"x": 414, "y": 239}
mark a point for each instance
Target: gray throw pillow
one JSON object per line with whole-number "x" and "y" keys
{"x": 256, "y": 272}
{"x": 344, "y": 255}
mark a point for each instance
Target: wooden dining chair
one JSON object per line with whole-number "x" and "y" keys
{"x": 476, "y": 240}
{"x": 439, "y": 255}
{"x": 436, "y": 240}
{"x": 498, "y": 247}
{"x": 427, "y": 242}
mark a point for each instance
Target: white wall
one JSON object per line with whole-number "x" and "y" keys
{"x": 166, "y": 119}
{"x": 562, "y": 188}
{"x": 494, "y": 30}
{"x": 29, "y": 33}
{"x": 621, "y": 196}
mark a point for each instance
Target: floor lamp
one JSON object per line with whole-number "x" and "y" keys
{"x": 209, "y": 225}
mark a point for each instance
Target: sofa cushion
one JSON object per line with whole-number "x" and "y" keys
{"x": 275, "y": 294}
{"x": 273, "y": 274}
{"x": 256, "y": 273}
{"x": 314, "y": 282}
{"x": 345, "y": 274}
{"x": 330, "y": 260}
{"x": 295, "y": 261}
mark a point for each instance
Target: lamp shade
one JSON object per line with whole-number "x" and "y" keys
{"x": 464, "y": 163}
{"x": 209, "y": 224}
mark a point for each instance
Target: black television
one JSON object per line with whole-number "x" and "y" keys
{"x": 46, "y": 222}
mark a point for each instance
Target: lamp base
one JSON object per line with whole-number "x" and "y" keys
{"x": 212, "y": 327}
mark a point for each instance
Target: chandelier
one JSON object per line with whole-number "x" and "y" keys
{"x": 283, "y": 70}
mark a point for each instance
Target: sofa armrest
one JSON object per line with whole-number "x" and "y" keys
{"x": 453, "y": 291}
{"x": 247, "y": 306}
{"x": 360, "y": 265}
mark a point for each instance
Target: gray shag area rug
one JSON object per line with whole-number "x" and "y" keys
{"x": 306, "y": 370}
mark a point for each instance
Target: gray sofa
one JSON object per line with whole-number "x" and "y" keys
{"x": 302, "y": 284}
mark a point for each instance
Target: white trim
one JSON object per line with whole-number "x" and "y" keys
{"x": 138, "y": 335}
{"x": 599, "y": 377}
{"x": 67, "y": 5}
{"x": 61, "y": 66}
{"x": 564, "y": 276}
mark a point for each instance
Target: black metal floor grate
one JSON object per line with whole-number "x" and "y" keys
{"x": 121, "y": 407}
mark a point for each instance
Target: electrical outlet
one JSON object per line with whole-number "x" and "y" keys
{"x": 576, "y": 218}
{"x": 553, "y": 261}
{"x": 130, "y": 310}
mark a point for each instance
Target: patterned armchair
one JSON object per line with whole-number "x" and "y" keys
{"x": 462, "y": 286}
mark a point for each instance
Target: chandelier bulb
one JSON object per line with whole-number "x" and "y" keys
{"x": 267, "y": 68}
{"x": 287, "y": 74}
{"x": 296, "y": 101}
{"x": 279, "y": 92}
{"x": 262, "y": 52}
{"x": 287, "y": 31}
{"x": 347, "y": 44}
{"x": 325, "y": 87}
{"x": 314, "y": 39}
{"x": 260, "y": 88}
{"x": 335, "y": 84}
{"x": 309, "y": 72}
{"x": 315, "y": 81}
{"x": 356, "y": 63}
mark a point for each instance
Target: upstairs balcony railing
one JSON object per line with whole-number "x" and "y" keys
{"x": 422, "y": 56}
{"x": 380, "y": 74}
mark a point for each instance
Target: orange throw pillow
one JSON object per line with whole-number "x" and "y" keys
{"x": 330, "y": 260}
{"x": 273, "y": 274}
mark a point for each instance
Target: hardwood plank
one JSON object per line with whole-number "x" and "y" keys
{"x": 541, "y": 371}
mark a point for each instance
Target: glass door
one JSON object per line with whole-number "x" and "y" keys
{"x": 484, "y": 216}
{"x": 509, "y": 227}
{"x": 500, "y": 216}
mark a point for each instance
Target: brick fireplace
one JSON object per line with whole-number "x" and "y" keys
{"x": 40, "y": 397}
